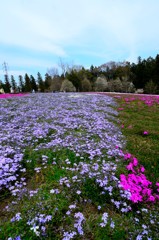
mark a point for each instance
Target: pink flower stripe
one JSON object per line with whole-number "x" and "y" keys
{"x": 13, "y": 95}
{"x": 148, "y": 99}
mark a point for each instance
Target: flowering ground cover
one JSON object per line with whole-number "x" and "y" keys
{"x": 12, "y": 95}
{"x": 66, "y": 172}
{"x": 139, "y": 115}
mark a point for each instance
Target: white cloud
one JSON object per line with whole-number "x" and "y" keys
{"x": 25, "y": 28}
{"x": 120, "y": 27}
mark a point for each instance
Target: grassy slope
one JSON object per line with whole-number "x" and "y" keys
{"x": 145, "y": 148}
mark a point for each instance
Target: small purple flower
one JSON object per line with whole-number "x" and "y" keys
{"x": 72, "y": 206}
{"x": 68, "y": 212}
{"x": 43, "y": 228}
{"x": 139, "y": 237}
{"x": 112, "y": 225}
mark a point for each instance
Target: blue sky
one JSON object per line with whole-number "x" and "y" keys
{"x": 34, "y": 34}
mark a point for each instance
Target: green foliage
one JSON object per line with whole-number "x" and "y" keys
{"x": 48, "y": 81}
{"x": 41, "y": 84}
{"x": 33, "y": 83}
{"x": 86, "y": 85}
{"x": 27, "y": 83}
{"x": 72, "y": 77}
{"x": 132, "y": 76}
{"x": 13, "y": 83}
{"x": 21, "y": 84}
{"x": 1, "y": 84}
{"x": 144, "y": 71}
{"x": 6, "y": 84}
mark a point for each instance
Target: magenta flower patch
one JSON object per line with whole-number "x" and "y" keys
{"x": 137, "y": 183}
{"x": 13, "y": 95}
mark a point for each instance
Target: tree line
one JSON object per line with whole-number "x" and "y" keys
{"x": 111, "y": 76}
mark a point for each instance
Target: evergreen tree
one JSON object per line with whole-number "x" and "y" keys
{"x": 13, "y": 83}
{"x": 33, "y": 83}
{"x": 72, "y": 77}
{"x": 7, "y": 84}
{"x": 1, "y": 84}
{"x": 91, "y": 68}
{"x": 48, "y": 81}
{"x": 27, "y": 83}
{"x": 1, "y": 87}
{"x": 86, "y": 85}
{"x": 156, "y": 71}
{"x": 21, "y": 84}
{"x": 41, "y": 83}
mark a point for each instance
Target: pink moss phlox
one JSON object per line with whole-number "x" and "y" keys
{"x": 157, "y": 184}
{"x": 135, "y": 162}
{"x": 136, "y": 183}
{"x": 145, "y": 132}
{"x": 13, "y": 95}
{"x": 142, "y": 169}
{"x": 130, "y": 167}
{"x": 127, "y": 156}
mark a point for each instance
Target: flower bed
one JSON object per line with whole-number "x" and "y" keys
{"x": 63, "y": 165}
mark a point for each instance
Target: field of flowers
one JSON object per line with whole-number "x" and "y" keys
{"x": 66, "y": 171}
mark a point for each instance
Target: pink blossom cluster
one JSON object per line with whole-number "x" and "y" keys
{"x": 148, "y": 99}
{"x": 136, "y": 182}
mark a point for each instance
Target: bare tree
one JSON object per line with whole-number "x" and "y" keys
{"x": 77, "y": 68}
{"x": 64, "y": 66}
{"x": 52, "y": 72}
{"x": 68, "y": 67}
{"x": 56, "y": 83}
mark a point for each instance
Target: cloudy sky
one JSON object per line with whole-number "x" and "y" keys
{"x": 35, "y": 34}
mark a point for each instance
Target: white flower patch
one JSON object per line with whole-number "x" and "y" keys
{"x": 75, "y": 95}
